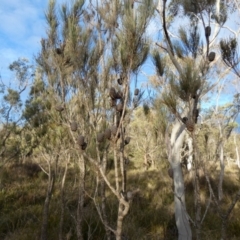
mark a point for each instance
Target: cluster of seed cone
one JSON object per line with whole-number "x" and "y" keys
{"x": 109, "y": 134}
{"x": 117, "y": 96}
{"x": 81, "y": 139}
{"x": 81, "y": 142}
{"x": 59, "y": 108}
{"x": 211, "y": 55}
{"x": 190, "y": 123}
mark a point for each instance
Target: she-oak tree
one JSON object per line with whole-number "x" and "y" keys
{"x": 87, "y": 62}
{"x": 91, "y": 53}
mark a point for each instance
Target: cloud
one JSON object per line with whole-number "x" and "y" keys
{"x": 16, "y": 23}
{"x": 22, "y": 25}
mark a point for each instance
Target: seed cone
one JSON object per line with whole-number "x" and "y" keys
{"x": 84, "y": 146}
{"x": 58, "y": 50}
{"x": 207, "y": 31}
{"x": 59, "y": 108}
{"x": 112, "y": 93}
{"x": 127, "y": 140}
{"x": 119, "y": 107}
{"x": 100, "y": 137}
{"x": 113, "y": 103}
{"x": 80, "y": 140}
{"x": 119, "y": 95}
{"x": 211, "y": 56}
{"x": 107, "y": 133}
{"x": 120, "y": 80}
{"x": 190, "y": 125}
{"x": 114, "y": 130}
{"x": 184, "y": 120}
{"x": 73, "y": 126}
{"x": 136, "y": 92}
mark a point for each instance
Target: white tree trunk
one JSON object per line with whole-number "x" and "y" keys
{"x": 222, "y": 167}
{"x": 190, "y": 153}
{"x": 237, "y": 153}
{"x": 181, "y": 216}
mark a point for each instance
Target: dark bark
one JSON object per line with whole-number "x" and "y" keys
{"x": 51, "y": 181}
{"x": 81, "y": 197}
{"x": 62, "y": 203}
{"x": 197, "y": 205}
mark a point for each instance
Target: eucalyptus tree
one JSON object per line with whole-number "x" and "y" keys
{"x": 229, "y": 54}
{"x": 12, "y": 107}
{"x": 148, "y": 145}
{"x": 184, "y": 83}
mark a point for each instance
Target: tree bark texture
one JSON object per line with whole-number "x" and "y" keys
{"x": 51, "y": 180}
{"x": 222, "y": 167}
{"x": 122, "y": 212}
{"x": 62, "y": 203}
{"x": 237, "y": 153}
{"x": 81, "y": 192}
{"x": 116, "y": 168}
{"x": 197, "y": 204}
{"x": 181, "y": 217}
{"x": 103, "y": 200}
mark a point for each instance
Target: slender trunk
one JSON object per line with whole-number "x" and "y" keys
{"x": 174, "y": 149}
{"x": 197, "y": 205}
{"x": 103, "y": 199}
{"x": 222, "y": 167}
{"x": 237, "y": 153}
{"x": 81, "y": 192}
{"x": 116, "y": 167}
{"x": 197, "y": 197}
{"x": 103, "y": 208}
{"x": 145, "y": 161}
{"x": 225, "y": 217}
{"x": 190, "y": 154}
{"x": 123, "y": 172}
{"x": 184, "y": 230}
{"x": 62, "y": 204}
{"x": 123, "y": 209}
{"x": 51, "y": 180}
{"x": 223, "y": 229}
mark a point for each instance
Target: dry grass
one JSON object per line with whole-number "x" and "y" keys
{"x": 151, "y": 214}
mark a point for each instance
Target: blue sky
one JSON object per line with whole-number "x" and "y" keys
{"x": 21, "y": 28}
{"x": 22, "y": 25}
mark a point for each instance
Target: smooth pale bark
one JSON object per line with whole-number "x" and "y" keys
{"x": 190, "y": 153}
{"x": 181, "y": 217}
{"x": 222, "y": 167}
{"x": 237, "y": 153}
